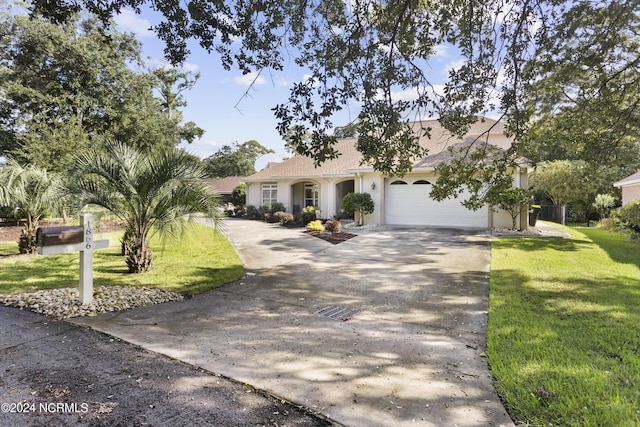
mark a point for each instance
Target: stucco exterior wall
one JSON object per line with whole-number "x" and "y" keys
{"x": 630, "y": 193}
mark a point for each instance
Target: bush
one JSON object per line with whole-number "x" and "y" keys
{"x": 271, "y": 218}
{"x": 308, "y": 215}
{"x": 604, "y": 203}
{"x": 358, "y": 202}
{"x": 283, "y": 217}
{"x": 239, "y": 195}
{"x": 277, "y": 207}
{"x": 333, "y": 226}
{"x": 629, "y": 218}
{"x": 315, "y": 225}
{"x": 253, "y": 212}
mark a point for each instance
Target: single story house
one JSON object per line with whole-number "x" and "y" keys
{"x": 225, "y": 186}
{"x": 630, "y": 187}
{"x": 297, "y": 183}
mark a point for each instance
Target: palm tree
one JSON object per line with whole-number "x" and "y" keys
{"x": 33, "y": 192}
{"x": 156, "y": 192}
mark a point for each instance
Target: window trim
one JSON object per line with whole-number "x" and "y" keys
{"x": 273, "y": 194}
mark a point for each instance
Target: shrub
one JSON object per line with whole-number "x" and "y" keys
{"x": 283, "y": 217}
{"x": 333, "y": 226}
{"x": 264, "y": 209}
{"x": 239, "y": 195}
{"x": 511, "y": 199}
{"x": 277, "y": 207}
{"x": 629, "y": 218}
{"x": 308, "y": 215}
{"x": 315, "y": 225}
{"x": 604, "y": 203}
{"x": 358, "y": 202}
{"x": 271, "y": 218}
{"x": 253, "y": 213}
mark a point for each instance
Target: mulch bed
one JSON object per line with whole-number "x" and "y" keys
{"x": 334, "y": 238}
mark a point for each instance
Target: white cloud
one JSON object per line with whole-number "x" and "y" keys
{"x": 163, "y": 63}
{"x": 128, "y": 21}
{"x": 189, "y": 67}
{"x": 455, "y": 65}
{"x": 252, "y": 78}
{"x": 441, "y": 51}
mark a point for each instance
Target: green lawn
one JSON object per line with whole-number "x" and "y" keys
{"x": 564, "y": 328}
{"x": 203, "y": 259}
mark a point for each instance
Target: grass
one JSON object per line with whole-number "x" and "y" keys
{"x": 564, "y": 328}
{"x": 203, "y": 259}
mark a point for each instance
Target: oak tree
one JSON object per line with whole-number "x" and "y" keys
{"x": 525, "y": 60}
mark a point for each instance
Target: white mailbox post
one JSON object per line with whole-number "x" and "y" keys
{"x": 47, "y": 245}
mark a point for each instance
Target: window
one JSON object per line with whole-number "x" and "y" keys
{"x": 422, "y": 182}
{"x": 269, "y": 194}
{"x": 310, "y": 194}
{"x": 398, "y": 183}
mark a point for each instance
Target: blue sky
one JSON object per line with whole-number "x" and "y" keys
{"x": 225, "y": 104}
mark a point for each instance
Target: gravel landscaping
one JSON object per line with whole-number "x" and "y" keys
{"x": 65, "y": 303}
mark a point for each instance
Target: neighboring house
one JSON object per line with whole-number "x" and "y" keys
{"x": 630, "y": 187}
{"x": 297, "y": 183}
{"x": 225, "y": 186}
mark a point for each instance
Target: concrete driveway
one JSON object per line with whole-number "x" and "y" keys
{"x": 410, "y": 354}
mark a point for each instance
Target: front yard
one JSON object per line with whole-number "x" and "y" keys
{"x": 203, "y": 259}
{"x": 564, "y": 329}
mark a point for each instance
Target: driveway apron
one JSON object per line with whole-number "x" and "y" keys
{"x": 410, "y": 352}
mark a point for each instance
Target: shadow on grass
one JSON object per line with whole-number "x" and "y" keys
{"x": 566, "y": 330}
{"x": 616, "y": 245}
{"x": 534, "y": 244}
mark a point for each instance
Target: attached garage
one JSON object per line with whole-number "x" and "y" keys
{"x": 407, "y": 202}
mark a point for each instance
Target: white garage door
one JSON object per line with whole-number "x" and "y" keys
{"x": 407, "y": 202}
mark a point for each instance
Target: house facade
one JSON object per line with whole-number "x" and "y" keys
{"x": 630, "y": 187}
{"x": 297, "y": 183}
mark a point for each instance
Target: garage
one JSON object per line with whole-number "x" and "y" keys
{"x": 407, "y": 202}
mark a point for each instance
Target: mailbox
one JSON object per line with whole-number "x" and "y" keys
{"x": 55, "y": 236}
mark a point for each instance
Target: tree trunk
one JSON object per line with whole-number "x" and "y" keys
{"x": 139, "y": 255}
{"x": 27, "y": 240}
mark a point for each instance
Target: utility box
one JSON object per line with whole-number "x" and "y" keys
{"x": 56, "y": 236}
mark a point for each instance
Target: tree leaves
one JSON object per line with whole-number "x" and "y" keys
{"x": 529, "y": 60}
{"x": 68, "y": 87}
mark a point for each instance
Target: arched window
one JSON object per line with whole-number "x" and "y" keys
{"x": 398, "y": 182}
{"x": 422, "y": 182}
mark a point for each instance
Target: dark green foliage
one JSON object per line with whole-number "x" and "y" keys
{"x": 149, "y": 192}
{"x": 575, "y": 183}
{"x": 628, "y": 217}
{"x": 253, "y": 213}
{"x": 566, "y": 72}
{"x": 277, "y": 207}
{"x": 358, "y": 202}
{"x": 236, "y": 160}
{"x": 511, "y": 199}
{"x": 239, "y": 195}
{"x": 35, "y": 191}
{"x": 69, "y": 87}
{"x": 308, "y": 214}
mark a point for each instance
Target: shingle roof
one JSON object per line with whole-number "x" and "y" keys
{"x": 226, "y": 185}
{"x": 350, "y": 159}
{"x": 630, "y": 180}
